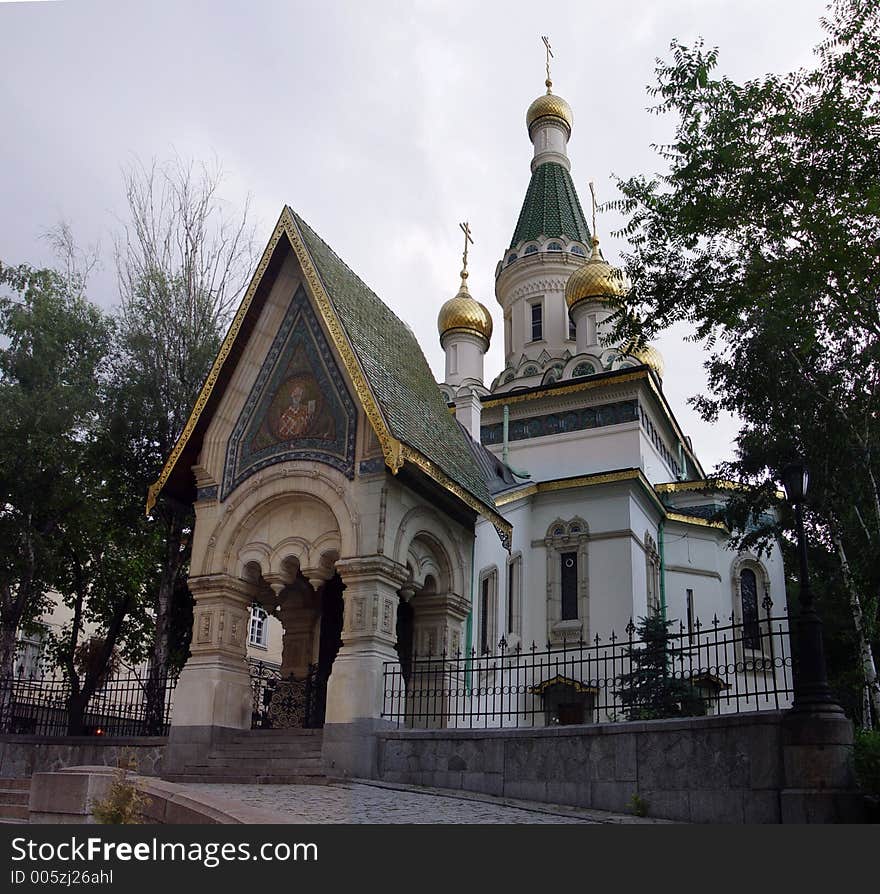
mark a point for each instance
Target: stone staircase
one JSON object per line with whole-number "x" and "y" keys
{"x": 14, "y": 795}
{"x": 280, "y": 756}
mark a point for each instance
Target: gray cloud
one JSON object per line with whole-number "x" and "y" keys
{"x": 383, "y": 124}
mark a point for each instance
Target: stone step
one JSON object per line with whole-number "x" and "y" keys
{"x": 13, "y": 812}
{"x": 14, "y": 796}
{"x": 255, "y": 735}
{"x": 279, "y": 752}
{"x": 193, "y": 775}
{"x": 7, "y": 784}
{"x": 253, "y": 766}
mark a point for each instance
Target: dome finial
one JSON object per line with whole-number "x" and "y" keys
{"x": 466, "y": 229}
{"x": 549, "y": 51}
{"x": 463, "y": 313}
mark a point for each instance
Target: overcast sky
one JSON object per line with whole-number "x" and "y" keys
{"x": 383, "y": 124}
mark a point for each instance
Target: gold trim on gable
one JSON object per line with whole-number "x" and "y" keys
{"x": 394, "y": 452}
{"x": 501, "y": 525}
{"x": 231, "y": 334}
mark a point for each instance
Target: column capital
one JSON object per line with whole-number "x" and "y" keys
{"x": 223, "y": 586}
{"x": 365, "y": 569}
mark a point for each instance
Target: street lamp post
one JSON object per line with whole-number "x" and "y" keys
{"x": 811, "y": 690}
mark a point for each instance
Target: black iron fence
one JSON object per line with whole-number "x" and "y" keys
{"x": 126, "y": 705}
{"x": 285, "y": 702}
{"x": 687, "y": 671}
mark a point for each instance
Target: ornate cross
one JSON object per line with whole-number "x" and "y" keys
{"x": 593, "y": 194}
{"x": 465, "y": 228}
{"x": 549, "y": 57}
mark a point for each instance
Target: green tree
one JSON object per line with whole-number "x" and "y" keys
{"x": 651, "y": 690}
{"x": 51, "y": 369}
{"x": 183, "y": 263}
{"x": 764, "y": 234}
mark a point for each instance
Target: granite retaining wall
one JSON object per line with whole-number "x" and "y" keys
{"x": 22, "y": 756}
{"x": 714, "y": 769}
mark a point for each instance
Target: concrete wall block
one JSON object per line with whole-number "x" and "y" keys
{"x": 716, "y": 806}
{"x": 612, "y": 795}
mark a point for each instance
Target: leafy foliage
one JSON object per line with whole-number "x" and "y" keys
{"x": 866, "y": 758}
{"x": 764, "y": 234}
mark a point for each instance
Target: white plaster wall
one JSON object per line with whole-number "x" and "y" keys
{"x": 577, "y": 452}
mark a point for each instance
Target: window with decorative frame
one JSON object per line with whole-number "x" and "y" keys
{"x": 567, "y": 580}
{"x": 513, "y": 634}
{"x": 487, "y": 604}
{"x": 652, "y": 575}
{"x": 751, "y": 600}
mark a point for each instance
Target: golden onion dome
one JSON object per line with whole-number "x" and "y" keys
{"x": 596, "y": 280}
{"x": 464, "y": 313}
{"x": 549, "y": 105}
{"x": 647, "y": 354}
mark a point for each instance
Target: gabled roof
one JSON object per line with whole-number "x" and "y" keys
{"x": 383, "y": 360}
{"x": 551, "y": 207}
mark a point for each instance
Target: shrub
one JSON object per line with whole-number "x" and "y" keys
{"x": 866, "y": 757}
{"x": 124, "y": 804}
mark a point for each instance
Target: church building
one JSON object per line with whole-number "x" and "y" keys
{"x": 384, "y": 518}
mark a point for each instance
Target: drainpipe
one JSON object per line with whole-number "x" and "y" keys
{"x": 662, "y": 550}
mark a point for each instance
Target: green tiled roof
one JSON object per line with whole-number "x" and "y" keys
{"x": 399, "y": 375}
{"x": 551, "y": 207}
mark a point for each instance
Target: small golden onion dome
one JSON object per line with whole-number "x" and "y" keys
{"x": 596, "y": 280}
{"x": 464, "y": 313}
{"x": 648, "y": 355}
{"x": 549, "y": 105}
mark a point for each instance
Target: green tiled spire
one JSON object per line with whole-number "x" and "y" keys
{"x": 551, "y": 207}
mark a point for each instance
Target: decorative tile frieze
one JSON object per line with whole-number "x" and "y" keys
{"x": 556, "y": 423}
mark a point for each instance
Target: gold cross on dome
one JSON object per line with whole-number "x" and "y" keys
{"x": 466, "y": 229}
{"x": 593, "y": 194}
{"x": 549, "y": 52}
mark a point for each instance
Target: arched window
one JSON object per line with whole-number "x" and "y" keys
{"x": 584, "y": 369}
{"x": 748, "y": 592}
{"x": 487, "y": 611}
{"x": 530, "y": 371}
{"x": 577, "y": 250}
{"x": 554, "y": 246}
{"x": 652, "y": 575}
{"x": 511, "y": 257}
{"x": 532, "y": 249}
{"x": 567, "y": 591}
{"x": 509, "y": 377}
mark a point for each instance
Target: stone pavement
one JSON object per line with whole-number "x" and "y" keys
{"x": 371, "y": 802}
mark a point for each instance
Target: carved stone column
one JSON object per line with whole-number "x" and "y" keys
{"x": 437, "y": 629}
{"x": 357, "y": 683}
{"x": 214, "y": 688}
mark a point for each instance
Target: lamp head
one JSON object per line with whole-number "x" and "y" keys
{"x": 795, "y": 479}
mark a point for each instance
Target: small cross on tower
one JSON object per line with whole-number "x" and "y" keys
{"x": 595, "y": 206}
{"x": 465, "y": 228}
{"x": 549, "y": 52}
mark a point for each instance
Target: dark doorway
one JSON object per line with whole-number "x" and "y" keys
{"x": 405, "y": 639}
{"x": 330, "y": 639}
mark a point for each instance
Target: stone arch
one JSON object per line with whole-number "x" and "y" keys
{"x": 263, "y": 493}
{"x": 423, "y": 525}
